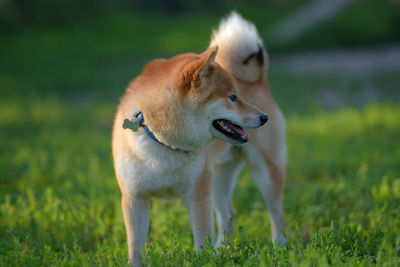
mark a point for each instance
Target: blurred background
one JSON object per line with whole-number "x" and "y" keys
{"x": 334, "y": 71}
{"x": 85, "y": 50}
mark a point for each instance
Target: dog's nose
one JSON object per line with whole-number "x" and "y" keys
{"x": 263, "y": 118}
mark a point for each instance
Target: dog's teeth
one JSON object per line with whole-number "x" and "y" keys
{"x": 221, "y": 123}
{"x": 228, "y": 129}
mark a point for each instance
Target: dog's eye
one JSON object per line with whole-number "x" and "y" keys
{"x": 233, "y": 98}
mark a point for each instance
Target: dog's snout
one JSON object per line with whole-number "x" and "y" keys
{"x": 263, "y": 118}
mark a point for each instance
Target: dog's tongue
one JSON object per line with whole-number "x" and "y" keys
{"x": 237, "y": 129}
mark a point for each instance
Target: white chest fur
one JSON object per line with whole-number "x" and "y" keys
{"x": 158, "y": 170}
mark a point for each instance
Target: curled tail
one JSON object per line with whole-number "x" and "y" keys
{"x": 241, "y": 49}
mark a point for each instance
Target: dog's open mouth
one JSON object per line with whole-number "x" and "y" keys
{"x": 231, "y": 130}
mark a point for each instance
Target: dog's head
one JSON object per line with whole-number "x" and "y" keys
{"x": 199, "y": 102}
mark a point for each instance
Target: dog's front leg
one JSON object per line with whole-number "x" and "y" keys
{"x": 136, "y": 217}
{"x": 200, "y": 208}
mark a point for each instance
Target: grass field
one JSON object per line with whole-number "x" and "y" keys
{"x": 60, "y": 202}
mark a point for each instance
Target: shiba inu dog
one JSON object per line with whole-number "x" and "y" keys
{"x": 242, "y": 53}
{"x": 168, "y": 115}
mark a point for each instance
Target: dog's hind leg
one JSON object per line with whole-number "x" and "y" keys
{"x": 270, "y": 179}
{"x": 224, "y": 180}
{"x": 136, "y": 217}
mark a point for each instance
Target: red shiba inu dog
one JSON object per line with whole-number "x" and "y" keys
{"x": 241, "y": 52}
{"x": 165, "y": 120}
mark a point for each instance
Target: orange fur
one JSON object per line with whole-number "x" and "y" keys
{"x": 180, "y": 99}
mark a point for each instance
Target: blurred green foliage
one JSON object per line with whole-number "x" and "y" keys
{"x": 22, "y": 13}
{"x": 61, "y": 75}
{"x": 366, "y": 22}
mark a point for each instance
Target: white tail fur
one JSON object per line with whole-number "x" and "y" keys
{"x": 238, "y": 40}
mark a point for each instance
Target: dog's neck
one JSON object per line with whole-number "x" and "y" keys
{"x": 140, "y": 119}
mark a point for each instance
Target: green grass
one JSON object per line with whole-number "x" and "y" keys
{"x": 59, "y": 199}
{"x": 60, "y": 203}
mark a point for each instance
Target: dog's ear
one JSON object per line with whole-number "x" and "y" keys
{"x": 206, "y": 59}
{"x": 193, "y": 73}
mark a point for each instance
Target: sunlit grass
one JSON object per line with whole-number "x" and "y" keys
{"x": 60, "y": 202}
{"x": 59, "y": 199}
